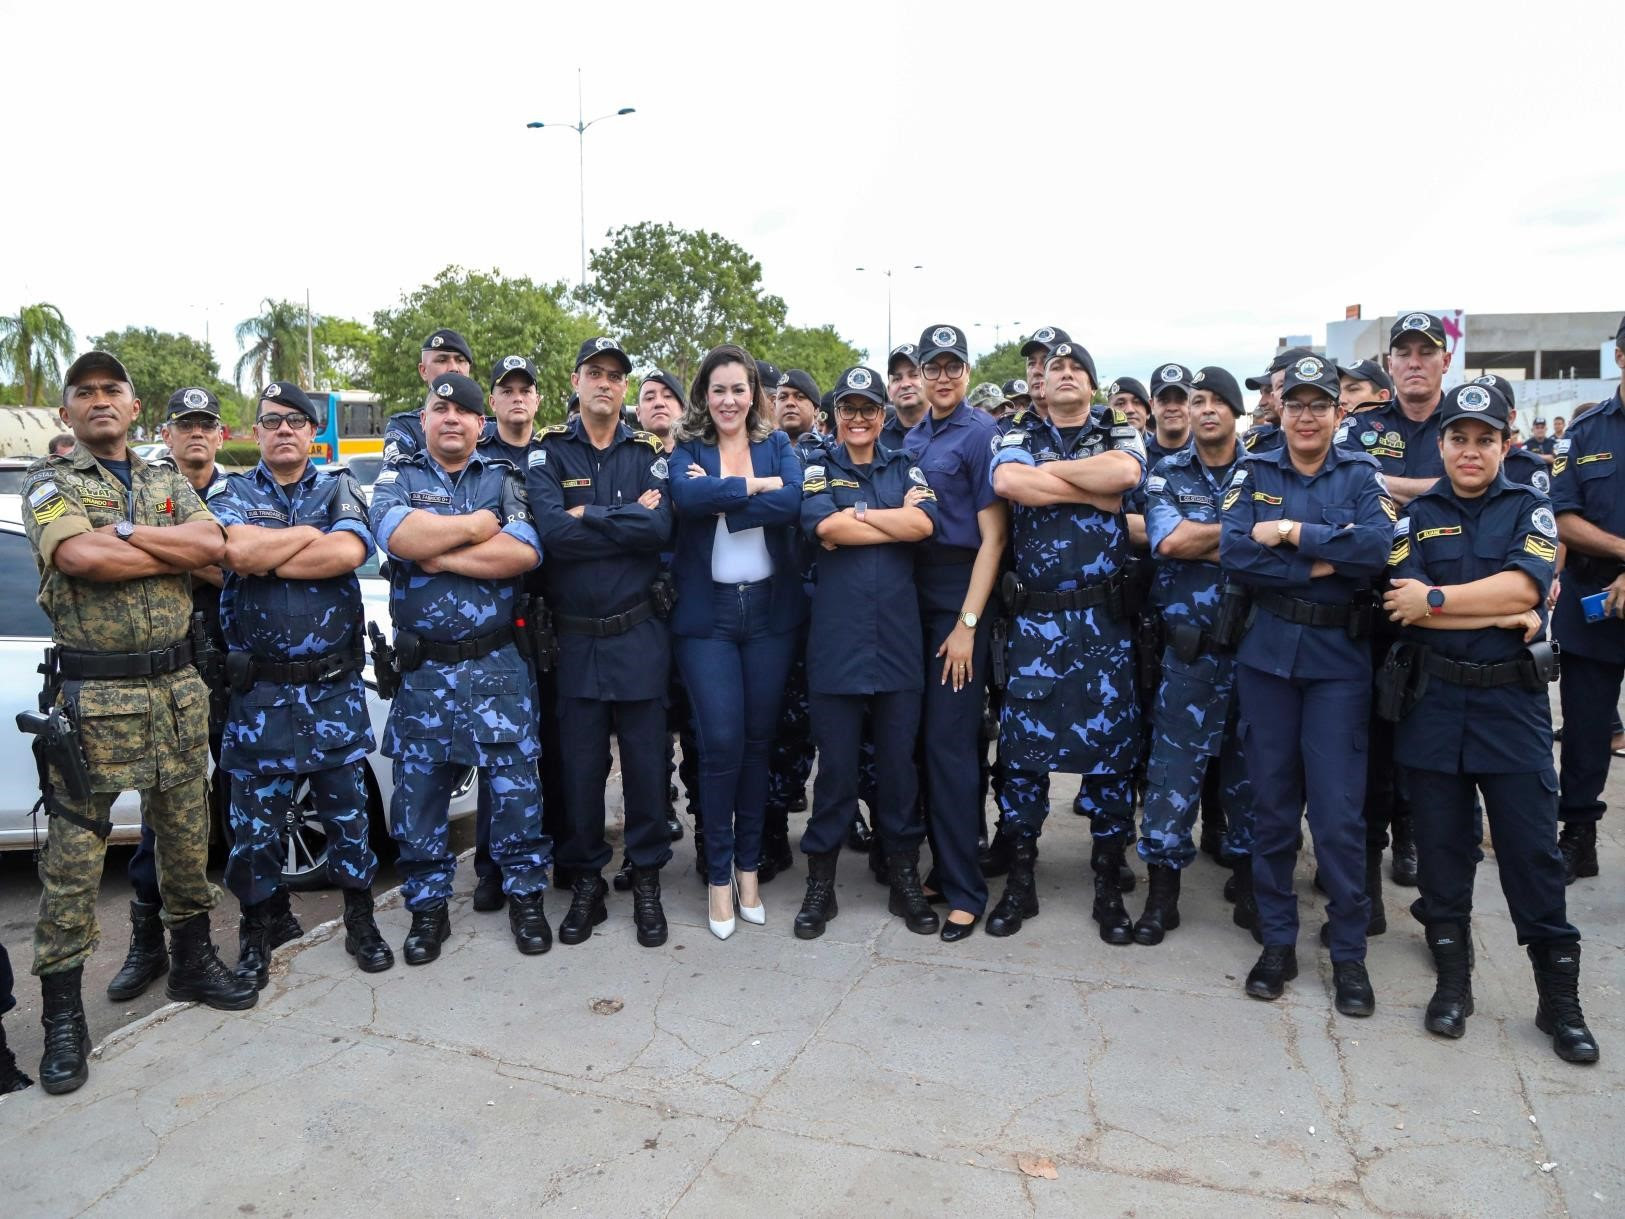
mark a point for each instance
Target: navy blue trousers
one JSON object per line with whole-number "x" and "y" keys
{"x": 1586, "y": 689}
{"x": 838, "y": 725}
{"x": 640, "y": 727}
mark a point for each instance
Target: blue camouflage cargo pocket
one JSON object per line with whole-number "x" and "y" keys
{"x": 338, "y": 714}
{"x": 499, "y": 706}
{"x": 422, "y": 708}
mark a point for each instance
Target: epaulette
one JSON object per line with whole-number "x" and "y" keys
{"x": 553, "y": 429}
{"x": 1119, "y": 418}
{"x": 653, "y": 441}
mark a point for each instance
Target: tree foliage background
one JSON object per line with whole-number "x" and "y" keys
{"x": 160, "y": 363}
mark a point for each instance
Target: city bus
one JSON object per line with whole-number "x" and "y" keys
{"x": 352, "y": 424}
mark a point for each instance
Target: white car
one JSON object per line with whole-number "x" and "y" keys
{"x": 24, "y": 635}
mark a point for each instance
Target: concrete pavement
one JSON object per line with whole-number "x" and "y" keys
{"x": 871, "y": 1070}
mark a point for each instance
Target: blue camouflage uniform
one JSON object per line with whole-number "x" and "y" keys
{"x": 1197, "y": 715}
{"x": 453, "y": 714}
{"x": 1305, "y": 686}
{"x": 1461, "y": 738}
{"x": 863, "y": 658}
{"x": 614, "y": 652}
{"x": 285, "y": 726}
{"x": 1069, "y": 701}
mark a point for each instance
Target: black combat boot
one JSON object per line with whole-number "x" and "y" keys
{"x": 1578, "y": 842}
{"x": 254, "y": 945}
{"x": 1126, "y": 879}
{"x": 647, "y": 914}
{"x": 819, "y": 906}
{"x": 621, "y": 882}
{"x": 1115, "y": 925}
{"x": 798, "y": 802}
{"x": 12, "y": 1078}
{"x": 65, "y": 1064}
{"x": 1020, "y": 898}
{"x": 146, "y": 961}
{"x": 528, "y": 922}
{"x": 877, "y": 861}
{"x": 1557, "y": 978}
{"x": 1378, "y": 922}
{"x": 908, "y": 901}
{"x": 1161, "y": 906}
{"x": 361, "y": 937}
{"x": 1352, "y": 991}
{"x": 858, "y": 836}
{"x": 1245, "y": 915}
{"x": 1404, "y": 849}
{"x": 198, "y": 975}
{"x": 587, "y": 908}
{"x": 488, "y": 894}
{"x": 674, "y": 827}
{"x": 431, "y": 927}
{"x": 776, "y": 854}
{"x": 1452, "y": 1000}
{"x": 1276, "y": 966}
{"x": 281, "y": 925}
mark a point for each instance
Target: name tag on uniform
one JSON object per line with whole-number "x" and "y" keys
{"x": 578, "y": 482}
{"x": 1589, "y": 457}
{"x": 436, "y": 498}
{"x": 844, "y": 482}
{"x": 101, "y": 501}
{"x": 1273, "y": 500}
{"x": 1196, "y": 499}
{"x": 1439, "y": 531}
{"x": 268, "y": 514}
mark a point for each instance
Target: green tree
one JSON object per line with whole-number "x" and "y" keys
{"x": 498, "y": 315}
{"x": 817, "y": 350}
{"x": 273, "y": 344}
{"x": 1003, "y": 363}
{"x": 160, "y": 363}
{"x": 345, "y": 352}
{"x": 35, "y": 346}
{"x": 670, "y": 295}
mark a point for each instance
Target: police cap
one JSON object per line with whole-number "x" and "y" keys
{"x": 461, "y": 390}
{"x": 1219, "y": 382}
{"x": 449, "y": 340}
{"x": 286, "y": 393}
{"x": 860, "y": 382}
{"x": 903, "y": 351}
{"x": 1367, "y": 370}
{"x": 1500, "y": 385}
{"x": 1417, "y": 323}
{"x": 1128, "y": 385}
{"x": 599, "y": 345}
{"x": 1074, "y": 351}
{"x": 1017, "y": 389}
{"x": 519, "y": 364}
{"x": 1044, "y": 339}
{"x": 1170, "y": 376}
{"x": 1474, "y": 401}
{"x": 1315, "y": 372}
{"x": 941, "y": 339}
{"x": 801, "y": 381}
{"x": 192, "y": 401}
{"x": 97, "y": 361}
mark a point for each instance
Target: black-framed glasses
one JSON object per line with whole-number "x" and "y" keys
{"x": 1319, "y": 408}
{"x": 952, "y": 369}
{"x": 185, "y": 425}
{"x": 295, "y": 422}
{"x": 866, "y": 410}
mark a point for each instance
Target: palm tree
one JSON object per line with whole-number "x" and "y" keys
{"x": 273, "y": 344}
{"x": 34, "y": 346}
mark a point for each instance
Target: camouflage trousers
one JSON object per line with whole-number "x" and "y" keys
{"x": 418, "y": 823}
{"x": 1107, "y": 800}
{"x": 260, "y": 809}
{"x": 789, "y": 765}
{"x": 1196, "y": 718}
{"x": 71, "y": 868}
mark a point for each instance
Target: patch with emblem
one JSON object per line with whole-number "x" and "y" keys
{"x": 1230, "y": 498}
{"x": 1439, "y": 531}
{"x": 659, "y": 468}
{"x": 392, "y": 451}
{"x": 1263, "y": 497}
{"x": 1239, "y": 477}
{"x": 1368, "y": 439}
{"x": 578, "y": 482}
{"x": 813, "y": 472}
{"x": 917, "y": 477}
{"x": 1155, "y": 483}
{"x": 1393, "y": 440}
{"x": 1561, "y": 464}
{"x": 1542, "y": 519}
{"x": 41, "y": 493}
{"x": 1541, "y": 481}
{"x": 1402, "y": 526}
{"x": 1400, "y": 552}
{"x": 1011, "y": 439}
{"x": 1559, "y": 447}
{"x": 1474, "y": 398}
{"x": 1591, "y": 457}
{"x": 1388, "y": 508}
{"x": 386, "y": 476}
{"x": 536, "y": 457}
{"x": 46, "y": 503}
{"x": 1541, "y": 550}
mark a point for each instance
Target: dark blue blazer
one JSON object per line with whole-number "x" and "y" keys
{"x": 698, "y": 500}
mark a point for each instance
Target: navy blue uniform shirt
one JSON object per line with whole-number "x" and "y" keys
{"x": 604, "y": 561}
{"x": 858, "y": 642}
{"x": 1445, "y": 540}
{"x": 1401, "y": 446}
{"x": 1347, "y": 520}
{"x": 1523, "y": 467}
{"x": 956, "y": 453}
{"x": 1265, "y": 438}
{"x": 1182, "y": 488}
{"x": 1587, "y": 479}
{"x": 1545, "y": 445}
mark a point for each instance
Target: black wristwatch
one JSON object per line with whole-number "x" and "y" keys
{"x": 1435, "y": 601}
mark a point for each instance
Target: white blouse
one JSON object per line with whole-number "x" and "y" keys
{"x": 739, "y": 558}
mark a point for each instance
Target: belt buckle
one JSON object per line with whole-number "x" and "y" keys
{"x": 331, "y": 672}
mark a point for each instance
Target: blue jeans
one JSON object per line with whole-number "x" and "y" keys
{"x": 735, "y": 679}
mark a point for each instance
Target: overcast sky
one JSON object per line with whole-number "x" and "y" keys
{"x": 1166, "y": 181}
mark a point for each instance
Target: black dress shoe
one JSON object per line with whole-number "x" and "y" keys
{"x": 1354, "y": 996}
{"x": 1277, "y": 965}
{"x": 953, "y": 932}
{"x": 587, "y": 909}
{"x": 488, "y": 895}
{"x": 528, "y": 922}
{"x": 798, "y": 803}
{"x": 674, "y": 827}
{"x": 431, "y": 927}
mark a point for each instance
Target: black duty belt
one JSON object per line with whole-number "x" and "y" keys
{"x": 604, "y": 628}
{"x": 107, "y": 666}
{"x": 1479, "y": 677}
{"x": 466, "y": 649}
{"x": 1087, "y": 597}
{"x": 1302, "y": 613}
{"x": 327, "y": 668}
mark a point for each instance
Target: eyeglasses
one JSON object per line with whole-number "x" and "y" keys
{"x": 1319, "y": 408}
{"x": 295, "y": 422}
{"x": 952, "y": 369}
{"x": 867, "y": 410}
{"x": 194, "y": 425}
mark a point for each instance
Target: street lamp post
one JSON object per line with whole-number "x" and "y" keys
{"x": 888, "y": 272}
{"x": 580, "y": 128}
{"x": 997, "y": 329}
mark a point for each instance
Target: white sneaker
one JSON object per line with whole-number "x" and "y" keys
{"x": 751, "y": 914}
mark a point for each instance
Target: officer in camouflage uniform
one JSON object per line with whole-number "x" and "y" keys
{"x": 114, "y": 539}
{"x": 458, "y": 533}
{"x": 1195, "y": 718}
{"x": 291, "y": 611}
{"x": 1069, "y": 701}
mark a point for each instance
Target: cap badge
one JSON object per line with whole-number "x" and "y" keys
{"x": 1170, "y": 372}
{"x": 1044, "y": 335}
{"x": 1019, "y": 386}
{"x": 903, "y": 349}
{"x": 1198, "y": 378}
{"x": 603, "y": 344}
{"x": 272, "y": 390}
{"x": 1065, "y": 349}
{"x": 1309, "y": 369}
{"x": 784, "y": 379}
{"x": 1112, "y": 390}
{"x": 444, "y": 389}
{"x": 1474, "y": 398}
{"x": 945, "y": 336}
{"x": 509, "y": 363}
{"x": 196, "y": 399}
{"x": 859, "y": 378}
{"x": 438, "y": 340}
{"x": 1418, "y": 321}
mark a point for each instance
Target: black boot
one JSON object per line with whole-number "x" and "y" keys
{"x": 1352, "y": 991}
{"x": 908, "y": 901}
{"x": 65, "y": 1064}
{"x": 877, "y": 861}
{"x": 1245, "y": 914}
{"x": 1276, "y": 966}
{"x": 254, "y": 945}
{"x": 361, "y": 936}
{"x": 528, "y": 922}
{"x": 1377, "y": 924}
{"x": 12, "y": 1078}
{"x": 1161, "y": 906}
{"x": 431, "y": 927}
{"x": 1020, "y": 898}
{"x": 1452, "y": 1000}
{"x": 858, "y": 836}
{"x": 488, "y": 894}
{"x": 776, "y": 854}
{"x": 1126, "y": 879}
{"x": 819, "y": 906}
{"x": 198, "y": 975}
{"x": 647, "y": 914}
{"x": 281, "y": 925}
{"x": 997, "y": 862}
{"x": 798, "y": 802}
{"x": 621, "y": 882}
{"x": 1115, "y": 925}
{"x": 1578, "y": 842}
{"x": 146, "y": 961}
{"x": 587, "y": 908}
{"x": 1557, "y": 978}
{"x": 1404, "y": 849}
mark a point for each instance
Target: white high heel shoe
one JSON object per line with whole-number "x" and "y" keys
{"x": 723, "y": 929}
{"x": 751, "y": 914}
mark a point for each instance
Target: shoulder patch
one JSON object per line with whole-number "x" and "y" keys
{"x": 917, "y": 477}
{"x": 1542, "y": 519}
{"x": 659, "y": 469}
{"x": 1541, "y": 550}
{"x": 554, "y": 429}
{"x": 653, "y": 441}
{"x": 1239, "y": 477}
{"x": 1012, "y": 438}
{"x": 1560, "y": 447}
{"x": 1156, "y": 483}
{"x": 1118, "y": 417}
{"x": 536, "y": 457}
{"x": 386, "y": 476}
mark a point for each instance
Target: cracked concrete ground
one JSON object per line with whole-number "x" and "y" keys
{"x": 868, "y": 1071}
